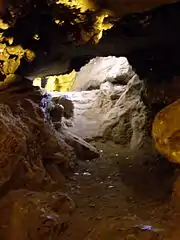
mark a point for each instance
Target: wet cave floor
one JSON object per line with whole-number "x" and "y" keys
{"x": 119, "y": 197}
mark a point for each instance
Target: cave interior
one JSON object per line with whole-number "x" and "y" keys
{"x": 90, "y": 120}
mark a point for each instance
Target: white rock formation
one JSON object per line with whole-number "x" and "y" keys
{"x": 103, "y": 69}
{"x": 112, "y": 112}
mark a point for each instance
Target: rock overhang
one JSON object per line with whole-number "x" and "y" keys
{"x": 62, "y": 33}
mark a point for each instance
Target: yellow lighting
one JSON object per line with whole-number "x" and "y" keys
{"x": 61, "y": 83}
{"x": 99, "y": 25}
{"x": 166, "y": 131}
{"x": 36, "y": 37}
{"x": 58, "y": 22}
{"x": 82, "y": 5}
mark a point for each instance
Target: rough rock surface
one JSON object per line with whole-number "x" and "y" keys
{"x": 112, "y": 113}
{"x": 34, "y": 215}
{"x": 67, "y": 105}
{"x": 27, "y": 144}
{"x": 60, "y": 110}
{"x": 166, "y": 132}
{"x": 103, "y": 69}
{"x": 83, "y": 150}
{"x": 125, "y": 123}
{"x": 81, "y": 125}
{"x": 34, "y": 162}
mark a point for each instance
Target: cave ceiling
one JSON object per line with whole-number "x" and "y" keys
{"x": 46, "y": 37}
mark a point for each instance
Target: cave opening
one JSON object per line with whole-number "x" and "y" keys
{"x": 96, "y": 91}
{"x": 102, "y": 107}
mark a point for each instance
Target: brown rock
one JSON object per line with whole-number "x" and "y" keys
{"x": 103, "y": 69}
{"x": 83, "y": 150}
{"x": 114, "y": 113}
{"x": 67, "y": 105}
{"x": 166, "y": 132}
{"x": 26, "y": 142}
{"x": 34, "y": 215}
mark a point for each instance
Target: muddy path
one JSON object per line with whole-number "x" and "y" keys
{"x": 120, "y": 195}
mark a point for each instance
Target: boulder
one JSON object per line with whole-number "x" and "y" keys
{"x": 34, "y": 215}
{"x": 125, "y": 123}
{"x": 114, "y": 112}
{"x": 83, "y": 150}
{"x": 103, "y": 69}
{"x": 61, "y": 121}
{"x": 166, "y": 132}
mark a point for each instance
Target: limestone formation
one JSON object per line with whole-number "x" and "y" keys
{"x": 86, "y": 21}
{"x": 60, "y": 119}
{"x": 83, "y": 150}
{"x": 114, "y": 112}
{"x": 100, "y": 70}
{"x": 27, "y": 144}
{"x": 166, "y": 131}
{"x": 34, "y": 161}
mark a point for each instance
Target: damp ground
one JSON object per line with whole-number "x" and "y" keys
{"x": 121, "y": 195}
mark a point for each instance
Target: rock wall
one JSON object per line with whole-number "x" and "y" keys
{"x": 108, "y": 105}
{"x": 35, "y": 160}
{"x": 102, "y": 69}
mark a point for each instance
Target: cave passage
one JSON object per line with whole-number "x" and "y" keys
{"x": 89, "y": 120}
{"x": 124, "y": 192}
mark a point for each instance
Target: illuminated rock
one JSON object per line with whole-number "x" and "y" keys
{"x": 166, "y": 132}
{"x": 10, "y": 57}
{"x": 103, "y": 69}
{"x": 86, "y": 20}
{"x": 61, "y": 83}
{"x": 112, "y": 113}
{"x": 83, "y": 5}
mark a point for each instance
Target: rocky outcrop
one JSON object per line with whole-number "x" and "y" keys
{"x": 113, "y": 112}
{"x": 34, "y": 163}
{"x": 34, "y": 215}
{"x": 27, "y": 146}
{"x": 69, "y": 24}
{"x": 166, "y": 132}
{"x": 126, "y": 122}
{"x": 100, "y": 70}
{"x": 60, "y": 112}
{"x": 83, "y": 150}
